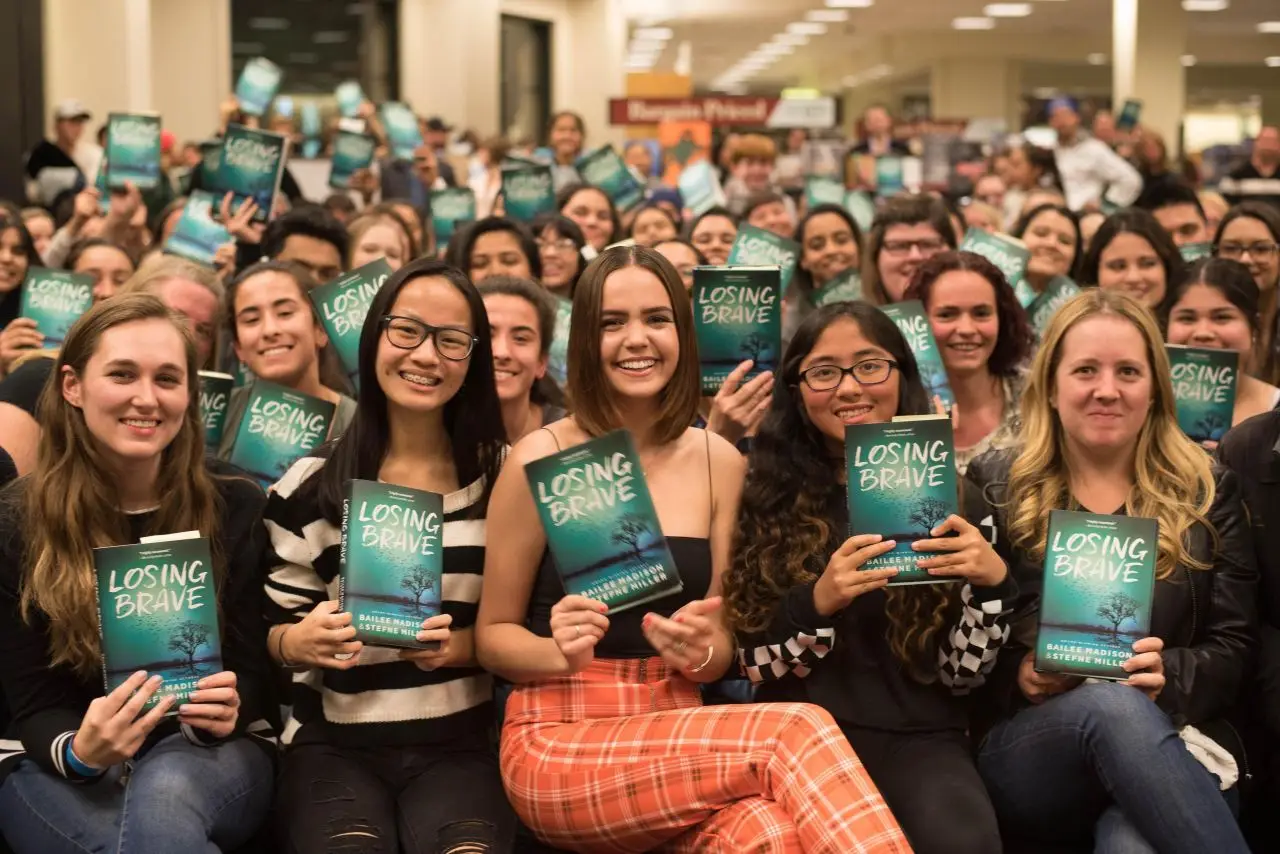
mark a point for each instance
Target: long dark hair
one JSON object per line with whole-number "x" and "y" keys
{"x": 566, "y": 228}
{"x": 1024, "y": 222}
{"x": 568, "y": 191}
{"x": 472, "y": 417}
{"x": 459, "y": 253}
{"x": 1229, "y": 278}
{"x": 1144, "y": 225}
{"x": 802, "y": 278}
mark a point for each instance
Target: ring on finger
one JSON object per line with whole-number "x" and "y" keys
{"x": 577, "y": 628}
{"x": 679, "y": 647}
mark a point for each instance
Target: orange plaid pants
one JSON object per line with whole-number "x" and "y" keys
{"x": 623, "y": 757}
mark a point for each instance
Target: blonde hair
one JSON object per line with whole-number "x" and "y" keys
{"x": 1173, "y": 480}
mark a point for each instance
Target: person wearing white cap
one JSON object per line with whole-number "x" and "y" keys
{"x": 68, "y": 161}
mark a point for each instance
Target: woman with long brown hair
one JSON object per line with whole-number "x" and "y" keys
{"x": 122, "y": 457}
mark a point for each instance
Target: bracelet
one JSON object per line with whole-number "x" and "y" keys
{"x": 75, "y": 763}
{"x": 711, "y": 650}
{"x": 280, "y": 647}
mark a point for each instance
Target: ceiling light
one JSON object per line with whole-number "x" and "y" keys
{"x": 658, "y": 33}
{"x": 1205, "y": 5}
{"x": 791, "y": 38}
{"x": 1098, "y": 59}
{"x": 849, "y": 4}
{"x": 1269, "y": 27}
{"x": 776, "y": 49}
{"x": 829, "y": 16}
{"x": 1007, "y": 10}
{"x": 973, "y": 23}
{"x": 1188, "y": 60}
{"x": 1045, "y": 93}
{"x": 807, "y": 28}
{"x": 1272, "y": 61}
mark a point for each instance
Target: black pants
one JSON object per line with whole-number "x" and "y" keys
{"x": 931, "y": 784}
{"x": 416, "y": 800}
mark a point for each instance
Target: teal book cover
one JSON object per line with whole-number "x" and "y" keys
{"x": 210, "y": 160}
{"x": 901, "y": 485}
{"x": 55, "y": 299}
{"x": 755, "y": 247}
{"x": 343, "y": 305}
{"x": 309, "y": 116}
{"x": 699, "y": 185}
{"x": 351, "y": 153}
{"x": 823, "y": 190}
{"x": 403, "y": 132}
{"x": 862, "y": 207}
{"x": 158, "y": 612}
{"x": 257, "y": 86}
{"x": 1099, "y": 580}
{"x": 846, "y": 287}
{"x": 889, "y": 178}
{"x": 448, "y": 207}
{"x": 250, "y": 167}
{"x": 197, "y": 235}
{"x": 100, "y": 184}
{"x": 527, "y": 192}
{"x": 1056, "y": 294}
{"x": 1130, "y": 114}
{"x": 1204, "y": 390}
{"x": 391, "y": 562}
{"x": 279, "y": 427}
{"x": 601, "y": 525}
{"x": 215, "y": 393}
{"x": 1193, "y": 252}
{"x": 349, "y": 96}
{"x": 604, "y": 168}
{"x": 737, "y": 315}
{"x": 1009, "y": 254}
{"x": 914, "y": 325}
{"x": 133, "y": 150}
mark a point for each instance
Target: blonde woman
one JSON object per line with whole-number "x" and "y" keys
{"x": 1071, "y": 761}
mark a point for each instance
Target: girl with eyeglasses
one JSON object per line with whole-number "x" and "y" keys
{"x": 813, "y": 626}
{"x": 1250, "y": 234}
{"x": 560, "y": 244}
{"x": 907, "y": 231}
{"x": 400, "y": 738}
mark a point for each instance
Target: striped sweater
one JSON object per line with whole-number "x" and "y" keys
{"x": 382, "y": 701}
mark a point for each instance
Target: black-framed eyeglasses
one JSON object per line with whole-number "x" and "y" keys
{"x": 1235, "y": 251}
{"x": 408, "y": 333}
{"x": 866, "y": 372}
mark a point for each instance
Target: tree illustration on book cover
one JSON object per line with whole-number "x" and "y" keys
{"x": 901, "y": 485}
{"x": 391, "y": 562}
{"x": 914, "y": 325}
{"x": 601, "y": 525}
{"x": 157, "y": 612}
{"x": 1099, "y": 574}
{"x": 1204, "y": 390}
{"x": 279, "y": 427}
{"x": 736, "y": 316}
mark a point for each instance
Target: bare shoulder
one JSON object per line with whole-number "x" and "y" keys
{"x": 545, "y": 441}
{"x": 724, "y": 456}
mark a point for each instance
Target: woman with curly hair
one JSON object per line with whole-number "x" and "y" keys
{"x": 813, "y": 626}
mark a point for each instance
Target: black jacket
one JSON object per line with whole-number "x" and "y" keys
{"x": 1207, "y": 618}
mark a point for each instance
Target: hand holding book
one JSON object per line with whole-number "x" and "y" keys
{"x": 1039, "y": 686}
{"x": 1147, "y": 667}
{"x": 241, "y": 224}
{"x": 577, "y": 625}
{"x": 319, "y": 639}
{"x": 435, "y": 630}
{"x": 844, "y": 579}
{"x": 966, "y": 555}
{"x": 21, "y": 334}
{"x": 111, "y": 731}
{"x": 214, "y": 707}
{"x": 738, "y": 408}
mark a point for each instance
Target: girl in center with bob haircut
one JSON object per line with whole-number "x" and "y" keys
{"x": 606, "y": 745}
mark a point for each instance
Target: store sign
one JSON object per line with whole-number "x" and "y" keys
{"x": 755, "y": 112}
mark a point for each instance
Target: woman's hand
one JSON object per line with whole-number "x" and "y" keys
{"x": 738, "y": 408}
{"x": 685, "y": 639}
{"x": 214, "y": 706}
{"x": 843, "y": 580}
{"x": 967, "y": 555}
{"x": 224, "y": 260}
{"x": 433, "y": 629}
{"x": 240, "y": 224}
{"x": 320, "y": 638}
{"x": 84, "y": 208}
{"x": 363, "y": 182}
{"x": 20, "y": 335}
{"x": 111, "y": 731}
{"x": 1038, "y": 687}
{"x": 577, "y": 625}
{"x": 124, "y": 205}
{"x": 1147, "y": 667}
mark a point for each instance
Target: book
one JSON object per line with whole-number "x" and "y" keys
{"x": 351, "y": 153}
{"x": 279, "y": 426}
{"x": 528, "y": 191}
{"x": 403, "y": 132}
{"x": 862, "y": 207}
{"x": 823, "y": 190}
{"x": 846, "y": 287}
{"x": 343, "y": 304}
{"x": 1009, "y": 254}
{"x": 1058, "y": 292}
{"x": 737, "y": 315}
{"x": 309, "y": 124}
{"x": 1204, "y": 390}
{"x": 1130, "y": 114}
{"x": 133, "y": 150}
{"x": 210, "y": 160}
{"x": 1099, "y": 579}
{"x": 699, "y": 185}
{"x": 55, "y": 299}
{"x": 913, "y": 322}
{"x": 215, "y": 393}
{"x": 605, "y": 169}
{"x": 390, "y": 564}
{"x": 755, "y": 247}
{"x": 601, "y": 526}
{"x": 1193, "y": 252}
{"x": 889, "y": 176}
{"x": 257, "y": 86}
{"x": 158, "y": 612}
{"x": 449, "y": 207}
{"x": 901, "y": 485}
{"x": 349, "y": 96}
{"x": 197, "y": 236}
{"x": 250, "y": 166}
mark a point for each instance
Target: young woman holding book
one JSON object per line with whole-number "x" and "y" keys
{"x": 387, "y": 749}
{"x": 122, "y": 457}
{"x": 1052, "y": 236}
{"x": 497, "y": 246}
{"x": 594, "y": 212}
{"x": 813, "y": 626}
{"x": 276, "y": 332}
{"x": 985, "y": 341}
{"x": 522, "y": 320}
{"x": 907, "y": 231}
{"x": 108, "y": 262}
{"x": 830, "y": 246}
{"x": 1066, "y": 761}
{"x": 559, "y": 242}
{"x": 605, "y": 745}
{"x": 1217, "y": 307}
{"x": 17, "y": 256}
{"x": 566, "y": 136}
{"x": 712, "y": 233}
{"x": 1132, "y": 253}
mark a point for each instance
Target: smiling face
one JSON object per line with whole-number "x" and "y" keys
{"x": 1243, "y": 240}
{"x": 559, "y": 258}
{"x": 590, "y": 210}
{"x": 498, "y": 253}
{"x": 652, "y": 226}
{"x": 714, "y": 236}
{"x": 965, "y": 320}
{"x": 829, "y": 248}
{"x": 517, "y": 358}
{"x": 773, "y": 217}
{"x": 639, "y": 343}
{"x": 133, "y": 392}
{"x": 566, "y": 136}
{"x": 1051, "y": 240}
{"x": 682, "y": 258}
{"x": 277, "y": 335}
{"x": 380, "y": 241}
{"x": 41, "y": 230}
{"x": 1129, "y": 263}
{"x": 110, "y": 269}
{"x": 420, "y": 379}
{"x": 1204, "y": 317}
{"x": 1102, "y": 385}
{"x": 904, "y": 249}
{"x": 13, "y": 261}
{"x": 843, "y": 344}
{"x": 754, "y": 172}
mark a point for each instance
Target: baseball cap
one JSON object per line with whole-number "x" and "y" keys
{"x": 71, "y": 109}
{"x": 1064, "y": 101}
{"x": 436, "y": 124}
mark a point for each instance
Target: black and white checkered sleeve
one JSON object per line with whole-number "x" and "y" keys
{"x": 798, "y": 655}
{"x": 969, "y": 650}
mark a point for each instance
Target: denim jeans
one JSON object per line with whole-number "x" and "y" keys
{"x": 1103, "y": 759}
{"x": 180, "y": 798}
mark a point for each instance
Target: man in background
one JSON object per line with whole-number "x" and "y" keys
{"x": 1259, "y": 179}
{"x": 1091, "y": 172}
{"x": 435, "y": 134}
{"x": 67, "y": 162}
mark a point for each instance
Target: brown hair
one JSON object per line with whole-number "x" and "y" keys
{"x": 900, "y": 210}
{"x": 753, "y": 146}
{"x": 590, "y": 396}
{"x": 365, "y": 221}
